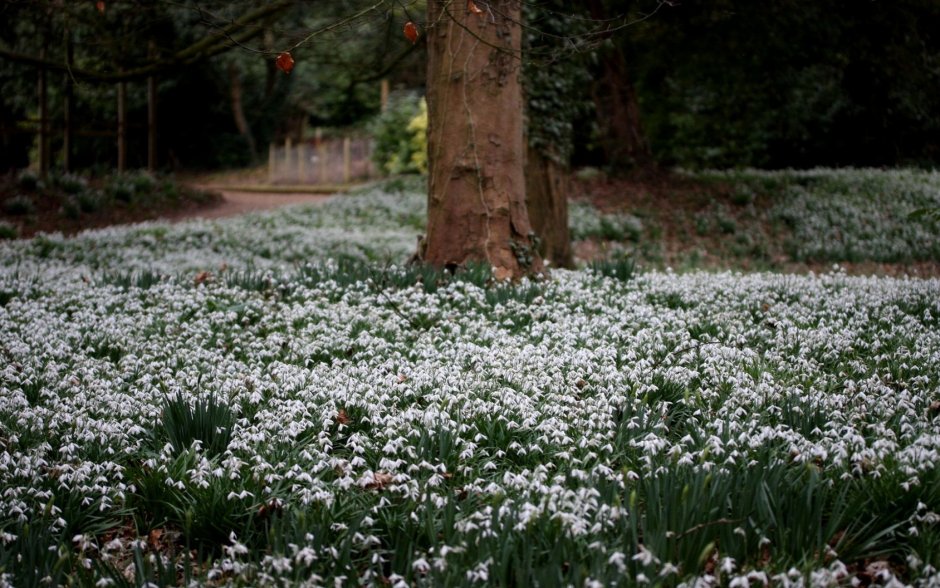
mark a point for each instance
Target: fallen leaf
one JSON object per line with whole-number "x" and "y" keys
{"x": 934, "y": 408}
{"x": 343, "y": 418}
{"x": 285, "y": 62}
{"x": 402, "y": 378}
{"x": 202, "y": 277}
{"x": 473, "y": 8}
{"x": 502, "y": 274}
{"x": 411, "y": 32}
{"x": 100, "y": 6}
{"x": 275, "y": 506}
{"x": 379, "y": 481}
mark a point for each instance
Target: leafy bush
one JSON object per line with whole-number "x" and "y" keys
{"x": 8, "y": 230}
{"x": 620, "y": 268}
{"x": 587, "y": 222}
{"x": 19, "y": 205}
{"x": 70, "y": 183}
{"x": 400, "y": 133}
{"x": 29, "y": 180}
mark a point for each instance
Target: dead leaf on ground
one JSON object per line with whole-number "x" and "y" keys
{"x": 934, "y": 408}
{"x": 502, "y": 274}
{"x": 379, "y": 481}
{"x": 343, "y": 418}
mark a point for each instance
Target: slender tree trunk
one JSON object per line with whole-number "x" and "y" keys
{"x": 121, "y": 127}
{"x": 238, "y": 111}
{"x": 270, "y": 71}
{"x": 476, "y": 151}
{"x": 68, "y": 106}
{"x": 43, "y": 119}
{"x": 547, "y": 186}
{"x": 152, "y": 114}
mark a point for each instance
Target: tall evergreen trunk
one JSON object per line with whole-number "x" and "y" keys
{"x": 476, "y": 151}
{"x": 547, "y": 185}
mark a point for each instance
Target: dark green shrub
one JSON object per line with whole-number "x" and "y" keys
{"x": 29, "y": 181}
{"x": 8, "y": 231}
{"x": 621, "y": 268}
{"x": 71, "y": 208}
{"x": 71, "y": 183}
{"x": 91, "y": 201}
{"x": 19, "y": 205}
{"x": 142, "y": 182}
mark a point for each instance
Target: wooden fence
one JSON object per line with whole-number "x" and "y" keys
{"x": 321, "y": 162}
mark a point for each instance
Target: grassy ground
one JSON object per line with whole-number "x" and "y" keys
{"x": 272, "y": 400}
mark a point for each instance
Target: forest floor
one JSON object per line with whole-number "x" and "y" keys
{"x": 691, "y": 222}
{"x": 665, "y": 219}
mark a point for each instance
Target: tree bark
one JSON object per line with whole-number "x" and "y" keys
{"x": 68, "y": 106}
{"x": 618, "y": 111}
{"x": 122, "y": 127}
{"x": 547, "y": 186}
{"x": 43, "y": 119}
{"x": 476, "y": 183}
{"x": 238, "y": 111}
{"x": 152, "y": 114}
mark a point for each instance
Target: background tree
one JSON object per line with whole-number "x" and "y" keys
{"x": 620, "y": 129}
{"x": 559, "y": 49}
{"x": 787, "y": 83}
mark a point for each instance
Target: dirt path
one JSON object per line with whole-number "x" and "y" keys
{"x": 236, "y": 202}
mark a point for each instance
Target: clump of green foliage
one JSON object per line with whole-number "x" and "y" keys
{"x": 78, "y": 196}
{"x": 401, "y": 139}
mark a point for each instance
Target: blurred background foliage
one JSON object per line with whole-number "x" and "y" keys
{"x": 716, "y": 83}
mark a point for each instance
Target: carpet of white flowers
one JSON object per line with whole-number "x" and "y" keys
{"x": 241, "y": 402}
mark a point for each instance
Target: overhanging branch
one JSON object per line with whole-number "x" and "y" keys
{"x": 240, "y": 30}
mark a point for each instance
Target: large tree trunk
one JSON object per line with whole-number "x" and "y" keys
{"x": 476, "y": 151}
{"x": 547, "y": 185}
{"x": 618, "y": 111}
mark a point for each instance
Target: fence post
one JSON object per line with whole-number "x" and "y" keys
{"x": 302, "y": 163}
{"x": 321, "y": 157}
{"x": 271, "y": 163}
{"x": 384, "y": 94}
{"x": 347, "y": 160}
{"x": 288, "y": 147}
